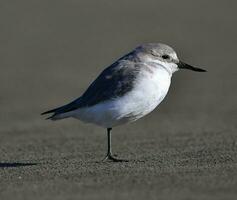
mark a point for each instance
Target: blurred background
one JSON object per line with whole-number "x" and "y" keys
{"x": 52, "y": 50}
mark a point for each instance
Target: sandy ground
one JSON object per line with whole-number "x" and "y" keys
{"x": 50, "y": 52}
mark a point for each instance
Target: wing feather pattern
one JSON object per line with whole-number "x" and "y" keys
{"x": 113, "y": 82}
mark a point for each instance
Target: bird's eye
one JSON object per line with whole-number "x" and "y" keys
{"x": 165, "y": 56}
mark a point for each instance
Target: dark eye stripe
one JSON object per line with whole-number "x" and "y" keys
{"x": 165, "y": 56}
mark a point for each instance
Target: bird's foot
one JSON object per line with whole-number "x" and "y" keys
{"x": 113, "y": 159}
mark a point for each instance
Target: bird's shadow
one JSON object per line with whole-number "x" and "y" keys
{"x": 15, "y": 164}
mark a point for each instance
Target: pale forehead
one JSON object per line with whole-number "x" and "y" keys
{"x": 157, "y": 48}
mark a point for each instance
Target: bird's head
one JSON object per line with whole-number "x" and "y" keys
{"x": 163, "y": 55}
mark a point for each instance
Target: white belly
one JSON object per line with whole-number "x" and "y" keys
{"x": 149, "y": 91}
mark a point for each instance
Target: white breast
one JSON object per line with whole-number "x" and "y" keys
{"x": 150, "y": 89}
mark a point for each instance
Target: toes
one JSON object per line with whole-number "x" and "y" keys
{"x": 112, "y": 159}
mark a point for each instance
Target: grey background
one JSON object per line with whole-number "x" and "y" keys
{"x": 49, "y": 53}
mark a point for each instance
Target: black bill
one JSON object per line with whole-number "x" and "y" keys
{"x": 183, "y": 65}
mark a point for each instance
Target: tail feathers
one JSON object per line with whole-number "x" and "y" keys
{"x": 49, "y": 111}
{"x": 58, "y": 112}
{"x": 52, "y": 117}
{"x": 56, "y": 116}
{"x": 53, "y": 111}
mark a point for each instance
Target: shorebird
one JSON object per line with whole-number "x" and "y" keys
{"x": 127, "y": 90}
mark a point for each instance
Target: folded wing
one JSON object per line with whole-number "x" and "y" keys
{"x": 113, "y": 82}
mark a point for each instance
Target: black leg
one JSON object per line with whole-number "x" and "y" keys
{"x": 109, "y": 155}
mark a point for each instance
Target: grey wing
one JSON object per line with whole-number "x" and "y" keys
{"x": 113, "y": 82}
